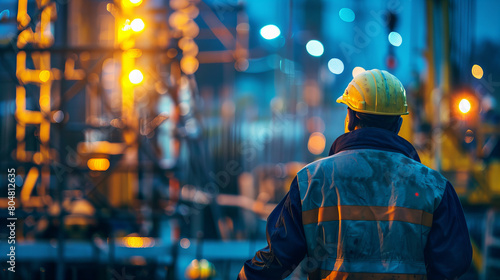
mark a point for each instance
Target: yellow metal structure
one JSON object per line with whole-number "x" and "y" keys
{"x": 42, "y": 76}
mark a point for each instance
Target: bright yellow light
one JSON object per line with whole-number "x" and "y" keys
{"x": 137, "y": 25}
{"x": 464, "y": 106}
{"x": 138, "y": 242}
{"x": 134, "y": 242}
{"x": 357, "y": 70}
{"x": 316, "y": 143}
{"x": 134, "y": 53}
{"x": 98, "y": 164}
{"x": 131, "y": 3}
{"x": 135, "y": 77}
{"x": 44, "y": 76}
{"x": 126, "y": 25}
{"x": 477, "y": 71}
{"x": 206, "y": 269}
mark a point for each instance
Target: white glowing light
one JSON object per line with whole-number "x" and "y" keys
{"x": 315, "y": 48}
{"x": 395, "y": 39}
{"x": 336, "y": 66}
{"x": 270, "y": 32}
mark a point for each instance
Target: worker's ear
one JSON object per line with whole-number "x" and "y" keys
{"x": 346, "y": 123}
{"x": 398, "y": 127}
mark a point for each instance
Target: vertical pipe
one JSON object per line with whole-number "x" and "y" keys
{"x": 431, "y": 82}
{"x": 63, "y": 14}
{"x": 444, "y": 105}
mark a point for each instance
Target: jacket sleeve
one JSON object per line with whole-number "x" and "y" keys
{"x": 286, "y": 243}
{"x": 448, "y": 252}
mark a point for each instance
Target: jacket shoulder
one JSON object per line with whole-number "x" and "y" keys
{"x": 398, "y": 161}
{"x": 314, "y": 167}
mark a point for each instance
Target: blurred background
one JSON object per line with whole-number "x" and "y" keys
{"x": 150, "y": 139}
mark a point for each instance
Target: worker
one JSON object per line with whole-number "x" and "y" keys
{"x": 370, "y": 210}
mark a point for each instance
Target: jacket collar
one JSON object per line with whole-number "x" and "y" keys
{"x": 374, "y": 138}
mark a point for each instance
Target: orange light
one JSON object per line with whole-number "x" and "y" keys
{"x": 29, "y": 183}
{"x": 189, "y": 65}
{"x": 202, "y": 269}
{"x": 135, "y": 76}
{"x": 44, "y": 101}
{"x": 316, "y": 143}
{"x": 178, "y": 19}
{"x": 98, "y": 164}
{"x": 137, "y": 25}
{"x": 193, "y": 270}
{"x": 464, "y": 106}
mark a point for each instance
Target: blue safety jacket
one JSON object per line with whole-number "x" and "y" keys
{"x": 370, "y": 210}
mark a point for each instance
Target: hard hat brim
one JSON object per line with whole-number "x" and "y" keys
{"x": 341, "y": 100}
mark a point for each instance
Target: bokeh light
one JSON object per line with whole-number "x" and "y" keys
{"x": 315, "y": 48}
{"x": 316, "y": 143}
{"x": 58, "y": 116}
{"x": 138, "y": 242}
{"x": 185, "y": 243}
{"x": 189, "y": 65}
{"x": 464, "y": 106}
{"x": 98, "y": 164}
{"x": 347, "y": 15}
{"x": 357, "y": 70}
{"x": 202, "y": 269}
{"x": 131, "y": 3}
{"x": 270, "y": 32}
{"x": 469, "y": 136}
{"x": 135, "y": 76}
{"x": 137, "y": 25}
{"x": 477, "y": 71}
{"x": 395, "y": 39}
{"x": 44, "y": 76}
{"x": 4, "y": 15}
{"x": 126, "y": 25}
{"x": 336, "y": 66}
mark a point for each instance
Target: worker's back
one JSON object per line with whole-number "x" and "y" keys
{"x": 370, "y": 210}
{"x": 367, "y": 214}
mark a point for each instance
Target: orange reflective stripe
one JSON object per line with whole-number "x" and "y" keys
{"x": 367, "y": 213}
{"x": 337, "y": 275}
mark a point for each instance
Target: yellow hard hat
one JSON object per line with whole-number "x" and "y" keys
{"x": 375, "y": 92}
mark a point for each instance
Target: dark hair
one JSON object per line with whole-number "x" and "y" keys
{"x": 357, "y": 119}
